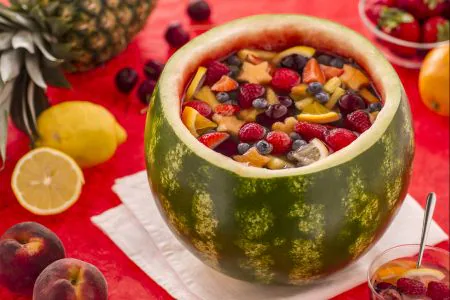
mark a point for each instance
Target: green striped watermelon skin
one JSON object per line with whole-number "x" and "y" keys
{"x": 285, "y": 230}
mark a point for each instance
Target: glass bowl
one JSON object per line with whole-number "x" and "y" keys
{"x": 431, "y": 255}
{"x": 400, "y": 52}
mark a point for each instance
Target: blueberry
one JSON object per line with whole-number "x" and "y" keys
{"x": 234, "y": 71}
{"x": 375, "y": 106}
{"x": 322, "y": 97}
{"x": 285, "y": 100}
{"x": 153, "y": 69}
{"x": 295, "y": 136}
{"x": 264, "y": 147}
{"x": 276, "y": 111}
{"x": 300, "y": 62}
{"x": 297, "y": 144}
{"x": 337, "y": 62}
{"x": 176, "y": 36}
{"x": 243, "y": 147}
{"x": 259, "y": 103}
{"x": 233, "y": 60}
{"x": 314, "y": 88}
{"x": 222, "y": 97}
{"x": 126, "y": 79}
{"x": 288, "y": 62}
{"x": 324, "y": 59}
{"x": 199, "y": 10}
{"x": 145, "y": 90}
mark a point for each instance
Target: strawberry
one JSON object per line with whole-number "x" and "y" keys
{"x": 339, "y": 138}
{"x": 401, "y": 25}
{"x": 215, "y": 71}
{"x": 374, "y": 8}
{"x": 227, "y": 109}
{"x": 213, "y": 139}
{"x": 435, "y": 29}
{"x": 331, "y": 72}
{"x": 280, "y": 141}
{"x": 358, "y": 121}
{"x": 202, "y": 107}
{"x": 310, "y": 130}
{"x": 438, "y": 290}
{"x": 312, "y": 72}
{"x": 225, "y": 84}
{"x": 251, "y": 132}
{"x": 284, "y": 79}
{"x": 411, "y": 287}
{"x": 249, "y": 92}
{"x": 423, "y": 9}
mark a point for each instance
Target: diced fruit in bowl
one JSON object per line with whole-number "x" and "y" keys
{"x": 26, "y": 249}
{"x": 70, "y": 279}
{"x": 263, "y": 197}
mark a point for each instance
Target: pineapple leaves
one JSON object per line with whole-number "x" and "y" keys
{"x": 16, "y": 18}
{"x": 11, "y": 62}
{"x": 40, "y": 43}
{"x": 5, "y": 40}
{"x": 33, "y": 69}
{"x": 23, "y": 39}
{"x": 5, "y": 101}
{"x": 55, "y": 77}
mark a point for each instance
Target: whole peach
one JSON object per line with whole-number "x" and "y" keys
{"x": 70, "y": 279}
{"x": 25, "y": 250}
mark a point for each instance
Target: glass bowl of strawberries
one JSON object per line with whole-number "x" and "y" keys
{"x": 405, "y": 30}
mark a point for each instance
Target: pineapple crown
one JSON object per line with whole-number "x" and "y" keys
{"x": 30, "y": 60}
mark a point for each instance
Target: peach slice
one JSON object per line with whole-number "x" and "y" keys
{"x": 354, "y": 78}
{"x": 368, "y": 96}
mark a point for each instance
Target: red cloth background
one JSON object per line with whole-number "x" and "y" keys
{"x": 84, "y": 241}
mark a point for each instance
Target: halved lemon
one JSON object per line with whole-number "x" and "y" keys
{"x": 317, "y": 113}
{"x": 424, "y": 272}
{"x": 46, "y": 181}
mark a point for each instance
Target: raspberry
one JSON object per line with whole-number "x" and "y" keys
{"x": 200, "y": 106}
{"x": 358, "y": 121}
{"x": 339, "y": 138}
{"x": 226, "y": 109}
{"x": 251, "y": 132}
{"x": 212, "y": 140}
{"x": 249, "y": 92}
{"x": 438, "y": 291}
{"x": 284, "y": 79}
{"x": 310, "y": 131}
{"x": 215, "y": 71}
{"x": 411, "y": 287}
{"x": 280, "y": 141}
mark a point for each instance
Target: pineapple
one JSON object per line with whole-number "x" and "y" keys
{"x": 41, "y": 38}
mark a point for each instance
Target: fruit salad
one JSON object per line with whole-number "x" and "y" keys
{"x": 400, "y": 279}
{"x": 279, "y": 110}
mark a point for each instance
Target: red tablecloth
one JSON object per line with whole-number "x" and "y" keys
{"x": 84, "y": 241}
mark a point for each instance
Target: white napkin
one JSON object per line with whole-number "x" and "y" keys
{"x": 138, "y": 229}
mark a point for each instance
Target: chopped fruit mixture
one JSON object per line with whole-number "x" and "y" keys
{"x": 400, "y": 279}
{"x": 279, "y": 110}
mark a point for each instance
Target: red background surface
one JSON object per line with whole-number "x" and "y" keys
{"x": 84, "y": 241}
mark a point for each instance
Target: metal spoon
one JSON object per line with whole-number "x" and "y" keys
{"x": 427, "y": 218}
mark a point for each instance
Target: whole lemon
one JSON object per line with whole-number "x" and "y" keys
{"x": 85, "y": 131}
{"x": 434, "y": 80}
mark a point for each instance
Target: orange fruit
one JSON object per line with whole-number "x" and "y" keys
{"x": 434, "y": 80}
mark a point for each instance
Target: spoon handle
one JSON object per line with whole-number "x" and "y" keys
{"x": 428, "y": 217}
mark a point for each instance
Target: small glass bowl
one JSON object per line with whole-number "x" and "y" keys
{"x": 400, "y": 52}
{"x": 431, "y": 255}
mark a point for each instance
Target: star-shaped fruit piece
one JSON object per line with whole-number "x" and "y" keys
{"x": 194, "y": 121}
{"x": 252, "y": 158}
{"x": 249, "y": 114}
{"x": 258, "y": 74}
{"x": 287, "y": 126}
{"x": 229, "y": 124}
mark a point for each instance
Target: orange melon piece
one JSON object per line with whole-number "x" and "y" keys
{"x": 354, "y": 78}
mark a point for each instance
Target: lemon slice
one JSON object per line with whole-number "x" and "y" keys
{"x": 314, "y": 151}
{"x": 391, "y": 272}
{"x": 301, "y": 50}
{"x": 196, "y": 83}
{"x": 46, "y": 181}
{"x": 424, "y": 272}
{"x": 317, "y": 113}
